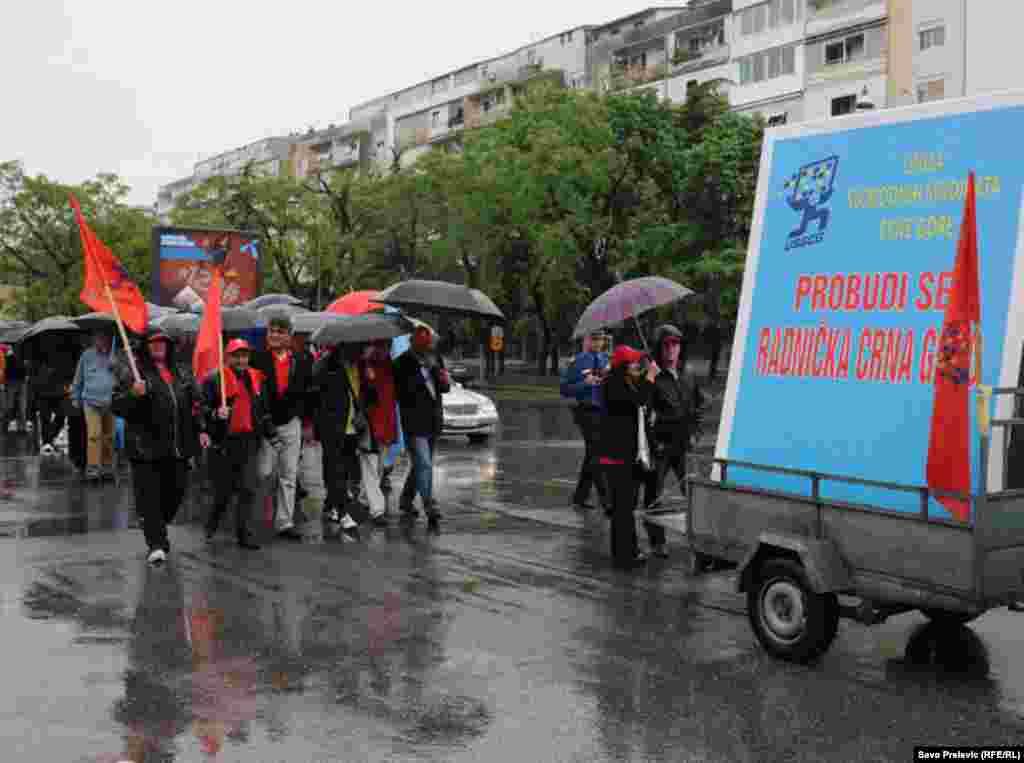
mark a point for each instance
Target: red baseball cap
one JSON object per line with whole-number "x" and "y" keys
{"x": 236, "y": 345}
{"x": 624, "y": 355}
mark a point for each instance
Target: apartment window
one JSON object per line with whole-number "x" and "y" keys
{"x": 638, "y": 24}
{"x": 569, "y": 37}
{"x": 931, "y": 91}
{"x": 844, "y": 51}
{"x": 845, "y": 104}
{"x": 614, "y": 31}
{"x": 435, "y": 119}
{"x": 777, "y": 120}
{"x": 770, "y": 15}
{"x": 768, "y": 64}
{"x": 935, "y": 37}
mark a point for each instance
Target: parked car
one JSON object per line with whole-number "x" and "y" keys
{"x": 469, "y": 413}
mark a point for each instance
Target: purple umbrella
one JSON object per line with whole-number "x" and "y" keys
{"x": 628, "y": 300}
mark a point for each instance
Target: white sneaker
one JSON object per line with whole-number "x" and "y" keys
{"x": 347, "y": 523}
{"x": 157, "y": 556}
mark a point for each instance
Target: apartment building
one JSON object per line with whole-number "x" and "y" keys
{"x": 435, "y": 111}
{"x": 168, "y": 195}
{"x": 347, "y": 146}
{"x": 268, "y": 156}
{"x": 667, "y": 52}
{"x": 768, "y": 48}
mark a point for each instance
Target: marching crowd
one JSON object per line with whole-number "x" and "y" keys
{"x": 335, "y": 419}
{"x": 340, "y": 413}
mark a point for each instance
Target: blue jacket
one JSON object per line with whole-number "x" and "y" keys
{"x": 94, "y": 380}
{"x": 573, "y": 385}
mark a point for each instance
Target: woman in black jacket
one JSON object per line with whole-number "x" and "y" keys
{"x": 626, "y": 391}
{"x": 164, "y": 429}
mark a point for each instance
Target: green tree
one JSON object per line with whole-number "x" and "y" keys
{"x": 40, "y": 246}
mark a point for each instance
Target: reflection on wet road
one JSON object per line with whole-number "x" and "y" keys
{"x": 506, "y": 636}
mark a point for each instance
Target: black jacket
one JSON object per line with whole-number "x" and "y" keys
{"x": 293, "y": 404}
{"x": 422, "y": 414}
{"x": 676, "y": 404}
{"x": 330, "y": 399}
{"x": 619, "y": 425}
{"x": 165, "y": 422}
{"x": 262, "y": 425}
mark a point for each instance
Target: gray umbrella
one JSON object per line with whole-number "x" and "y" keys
{"x": 440, "y": 297}
{"x": 11, "y": 332}
{"x": 309, "y": 323}
{"x": 272, "y": 300}
{"x": 370, "y": 327}
{"x": 177, "y": 325}
{"x": 58, "y": 324}
{"x": 241, "y": 319}
{"x": 269, "y": 311}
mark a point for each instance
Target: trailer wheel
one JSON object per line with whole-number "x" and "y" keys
{"x": 948, "y": 617}
{"x": 790, "y": 620}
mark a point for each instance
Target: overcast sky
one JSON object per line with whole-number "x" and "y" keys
{"x": 146, "y": 89}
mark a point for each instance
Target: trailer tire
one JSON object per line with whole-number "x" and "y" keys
{"x": 789, "y": 618}
{"x": 948, "y": 617}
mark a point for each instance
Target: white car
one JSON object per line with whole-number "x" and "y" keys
{"x": 468, "y": 413}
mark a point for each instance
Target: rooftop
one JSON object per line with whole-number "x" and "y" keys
{"x": 520, "y": 49}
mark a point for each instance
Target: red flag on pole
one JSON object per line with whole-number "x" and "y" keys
{"x": 108, "y": 287}
{"x": 209, "y": 347}
{"x": 949, "y": 445}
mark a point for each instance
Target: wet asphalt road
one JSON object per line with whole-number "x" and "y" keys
{"x": 504, "y": 637}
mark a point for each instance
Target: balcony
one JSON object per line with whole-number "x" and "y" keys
{"x": 624, "y": 77}
{"x": 826, "y": 16}
{"x": 686, "y": 60}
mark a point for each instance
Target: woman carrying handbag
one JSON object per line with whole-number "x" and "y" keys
{"x": 624, "y": 452}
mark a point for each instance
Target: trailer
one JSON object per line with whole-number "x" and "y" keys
{"x": 818, "y": 493}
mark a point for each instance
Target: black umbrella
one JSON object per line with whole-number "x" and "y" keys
{"x": 58, "y": 324}
{"x": 268, "y": 300}
{"x": 440, "y": 297}
{"x": 96, "y": 322}
{"x": 370, "y": 327}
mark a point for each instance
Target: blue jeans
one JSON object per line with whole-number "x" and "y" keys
{"x": 421, "y": 475}
{"x": 391, "y": 454}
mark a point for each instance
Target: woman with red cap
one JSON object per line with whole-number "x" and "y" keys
{"x": 163, "y": 432}
{"x": 624, "y": 454}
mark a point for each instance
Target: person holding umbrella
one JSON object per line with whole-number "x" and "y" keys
{"x": 383, "y": 420}
{"x": 339, "y": 399}
{"x": 624, "y": 452}
{"x": 238, "y": 428}
{"x": 420, "y": 381}
{"x": 163, "y": 433}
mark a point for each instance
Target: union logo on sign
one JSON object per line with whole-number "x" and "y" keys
{"x": 807, "y": 192}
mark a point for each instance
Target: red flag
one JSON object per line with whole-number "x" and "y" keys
{"x": 207, "y": 357}
{"x": 949, "y": 445}
{"x": 108, "y": 287}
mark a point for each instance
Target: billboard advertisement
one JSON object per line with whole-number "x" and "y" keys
{"x": 848, "y": 276}
{"x": 183, "y": 259}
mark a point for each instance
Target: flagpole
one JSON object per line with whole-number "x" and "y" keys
{"x": 220, "y": 349}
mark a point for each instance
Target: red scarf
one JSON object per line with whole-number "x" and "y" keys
{"x": 382, "y": 414}
{"x": 241, "y": 412}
